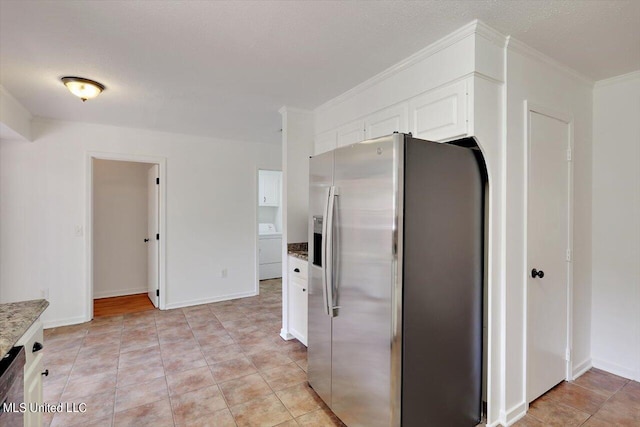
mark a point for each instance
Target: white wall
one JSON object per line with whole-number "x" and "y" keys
{"x": 211, "y": 188}
{"x": 535, "y": 78}
{"x": 297, "y": 146}
{"x": 120, "y": 215}
{"x": 15, "y": 120}
{"x": 615, "y": 335}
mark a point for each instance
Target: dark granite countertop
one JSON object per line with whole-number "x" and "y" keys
{"x": 16, "y": 318}
{"x": 298, "y": 250}
{"x": 300, "y": 254}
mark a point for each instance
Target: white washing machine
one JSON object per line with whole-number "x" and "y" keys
{"x": 269, "y": 251}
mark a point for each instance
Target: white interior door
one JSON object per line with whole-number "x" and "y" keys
{"x": 547, "y": 245}
{"x": 153, "y": 243}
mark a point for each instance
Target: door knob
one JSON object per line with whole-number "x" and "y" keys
{"x": 535, "y": 273}
{"x": 146, "y": 240}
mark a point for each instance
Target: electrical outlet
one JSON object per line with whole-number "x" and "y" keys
{"x": 79, "y": 231}
{"x": 223, "y": 273}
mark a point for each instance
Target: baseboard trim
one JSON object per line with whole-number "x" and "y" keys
{"x": 581, "y": 368}
{"x": 616, "y": 369}
{"x": 210, "y": 300}
{"x": 286, "y": 335}
{"x": 515, "y": 413}
{"x": 119, "y": 293}
{"x": 63, "y": 322}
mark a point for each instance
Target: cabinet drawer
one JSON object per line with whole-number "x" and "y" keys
{"x": 298, "y": 268}
{"x": 32, "y": 340}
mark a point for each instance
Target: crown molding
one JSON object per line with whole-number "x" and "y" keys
{"x": 433, "y": 48}
{"x": 287, "y": 109}
{"x": 618, "y": 79}
{"x": 516, "y": 45}
{"x": 491, "y": 34}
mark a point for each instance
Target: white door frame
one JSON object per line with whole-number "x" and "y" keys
{"x": 530, "y": 107}
{"x": 257, "y": 222}
{"x": 124, "y": 157}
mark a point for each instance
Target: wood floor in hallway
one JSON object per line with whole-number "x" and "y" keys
{"x": 117, "y": 306}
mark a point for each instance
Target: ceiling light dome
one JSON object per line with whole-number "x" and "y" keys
{"x": 83, "y": 88}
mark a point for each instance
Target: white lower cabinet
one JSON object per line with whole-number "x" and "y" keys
{"x": 33, "y": 342}
{"x": 33, "y": 392}
{"x": 298, "y": 298}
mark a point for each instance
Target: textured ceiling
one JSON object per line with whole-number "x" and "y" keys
{"x": 223, "y": 68}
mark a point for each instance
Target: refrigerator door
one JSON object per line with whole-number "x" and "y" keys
{"x": 365, "y": 227}
{"x": 319, "y": 326}
{"x": 443, "y": 274}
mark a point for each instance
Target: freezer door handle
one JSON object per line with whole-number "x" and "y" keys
{"x": 327, "y": 251}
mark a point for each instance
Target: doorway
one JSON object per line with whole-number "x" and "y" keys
{"x": 269, "y": 224}
{"x": 125, "y": 245}
{"x": 548, "y": 250}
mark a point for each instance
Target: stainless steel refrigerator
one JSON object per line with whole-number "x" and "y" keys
{"x": 396, "y": 277}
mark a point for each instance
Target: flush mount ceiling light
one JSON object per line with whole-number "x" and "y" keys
{"x": 83, "y": 88}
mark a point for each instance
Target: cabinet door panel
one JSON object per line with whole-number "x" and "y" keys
{"x": 387, "y": 121}
{"x": 33, "y": 392}
{"x": 440, "y": 114}
{"x": 325, "y": 142}
{"x": 351, "y": 133}
{"x": 299, "y": 305}
{"x": 269, "y": 188}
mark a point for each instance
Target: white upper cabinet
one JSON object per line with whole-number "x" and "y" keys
{"x": 325, "y": 142}
{"x": 387, "y": 121}
{"x": 269, "y": 183}
{"x": 351, "y": 133}
{"x": 440, "y": 114}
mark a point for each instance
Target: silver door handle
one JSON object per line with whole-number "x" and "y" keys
{"x": 329, "y": 250}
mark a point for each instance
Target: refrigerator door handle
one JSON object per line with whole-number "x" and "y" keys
{"x": 323, "y": 250}
{"x": 328, "y": 251}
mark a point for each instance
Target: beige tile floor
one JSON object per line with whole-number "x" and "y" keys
{"x": 224, "y": 364}
{"x": 595, "y": 399}
{"x": 221, "y": 364}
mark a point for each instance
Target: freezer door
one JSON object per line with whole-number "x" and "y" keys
{"x": 364, "y": 267}
{"x": 319, "y": 327}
